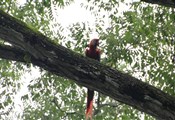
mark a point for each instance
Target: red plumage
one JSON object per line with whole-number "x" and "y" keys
{"x": 92, "y": 52}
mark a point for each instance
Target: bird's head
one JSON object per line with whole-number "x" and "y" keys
{"x": 94, "y": 43}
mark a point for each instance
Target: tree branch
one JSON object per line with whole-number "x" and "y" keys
{"x": 11, "y": 53}
{"x": 84, "y": 71}
{"x": 167, "y": 3}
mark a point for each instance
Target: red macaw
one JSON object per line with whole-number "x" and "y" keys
{"x": 92, "y": 52}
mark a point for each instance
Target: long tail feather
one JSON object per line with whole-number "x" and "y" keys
{"x": 89, "y": 107}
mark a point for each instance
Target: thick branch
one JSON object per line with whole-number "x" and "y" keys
{"x": 11, "y": 53}
{"x": 84, "y": 71}
{"x": 167, "y": 3}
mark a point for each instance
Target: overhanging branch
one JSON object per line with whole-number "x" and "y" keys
{"x": 167, "y": 3}
{"x": 84, "y": 71}
{"x": 11, "y": 53}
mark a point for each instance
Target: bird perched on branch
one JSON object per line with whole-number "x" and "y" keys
{"x": 92, "y": 52}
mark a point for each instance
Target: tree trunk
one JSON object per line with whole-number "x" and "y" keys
{"x": 32, "y": 47}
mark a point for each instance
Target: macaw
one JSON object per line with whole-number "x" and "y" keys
{"x": 92, "y": 52}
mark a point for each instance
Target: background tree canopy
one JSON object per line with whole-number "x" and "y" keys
{"x": 138, "y": 40}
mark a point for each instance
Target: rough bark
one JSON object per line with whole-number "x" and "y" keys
{"x": 167, "y": 3}
{"x": 31, "y": 46}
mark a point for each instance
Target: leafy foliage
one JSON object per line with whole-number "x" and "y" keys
{"x": 139, "y": 41}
